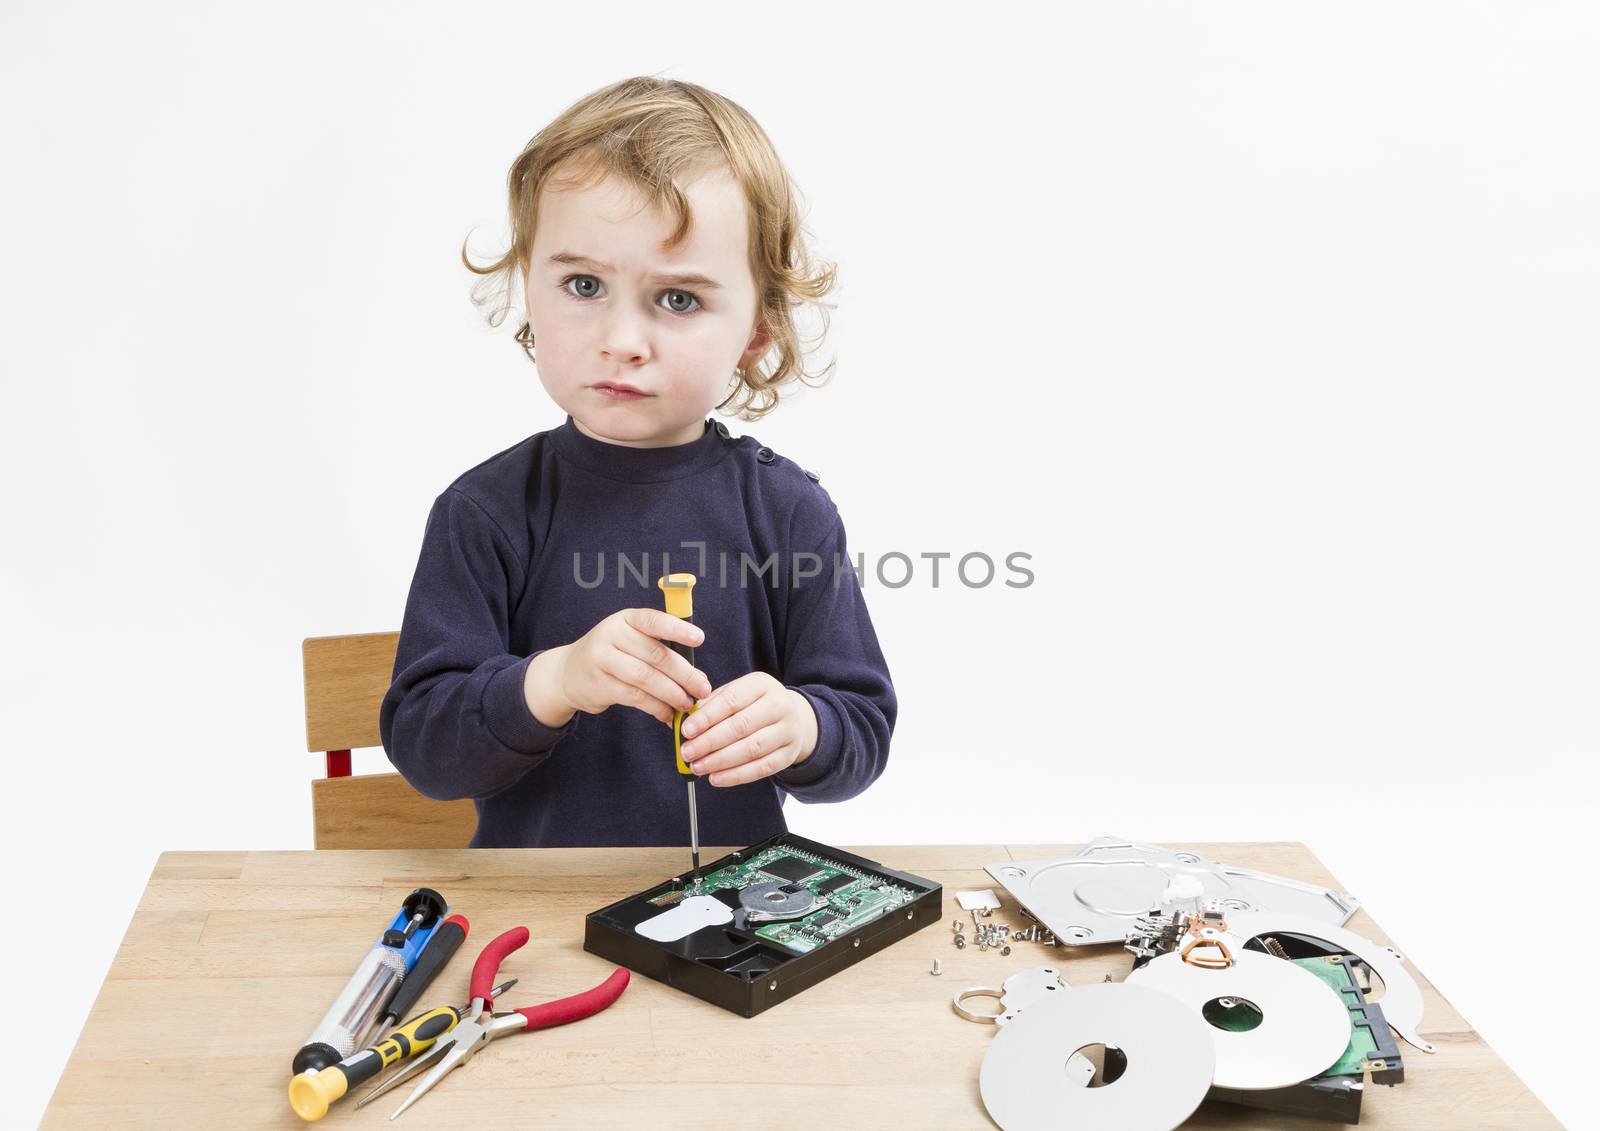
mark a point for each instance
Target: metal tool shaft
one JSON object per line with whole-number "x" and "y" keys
{"x": 694, "y": 830}
{"x": 418, "y": 1063}
{"x": 677, "y": 589}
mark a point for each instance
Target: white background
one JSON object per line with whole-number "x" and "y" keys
{"x": 1268, "y": 330}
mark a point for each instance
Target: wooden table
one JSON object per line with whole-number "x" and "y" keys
{"x": 232, "y": 957}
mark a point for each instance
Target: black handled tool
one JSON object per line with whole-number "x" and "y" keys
{"x": 447, "y": 939}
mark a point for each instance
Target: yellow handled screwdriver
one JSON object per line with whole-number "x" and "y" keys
{"x": 311, "y": 1093}
{"x": 678, "y": 593}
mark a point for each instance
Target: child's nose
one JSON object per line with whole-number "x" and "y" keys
{"x": 625, "y": 340}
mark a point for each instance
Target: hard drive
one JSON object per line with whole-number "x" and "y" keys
{"x": 758, "y": 926}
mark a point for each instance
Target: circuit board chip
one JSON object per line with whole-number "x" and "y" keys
{"x": 841, "y": 897}
{"x": 791, "y": 869}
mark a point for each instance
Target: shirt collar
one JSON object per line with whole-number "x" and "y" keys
{"x": 640, "y": 465}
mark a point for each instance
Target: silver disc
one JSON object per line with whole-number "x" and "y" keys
{"x": 772, "y": 901}
{"x": 1029, "y": 1083}
{"x": 1305, "y": 1025}
{"x": 1402, "y": 997}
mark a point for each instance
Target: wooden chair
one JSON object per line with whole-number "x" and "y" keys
{"x": 346, "y": 678}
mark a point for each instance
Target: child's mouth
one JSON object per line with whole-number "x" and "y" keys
{"x": 620, "y": 392}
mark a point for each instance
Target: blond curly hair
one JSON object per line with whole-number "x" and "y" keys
{"x": 654, "y": 134}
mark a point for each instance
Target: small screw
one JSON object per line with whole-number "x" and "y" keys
{"x": 961, "y": 941}
{"x": 1005, "y": 950}
{"x": 955, "y": 925}
{"x": 936, "y": 971}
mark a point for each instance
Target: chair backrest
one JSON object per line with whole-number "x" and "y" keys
{"x": 346, "y": 678}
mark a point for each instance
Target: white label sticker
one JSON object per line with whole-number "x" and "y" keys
{"x": 685, "y": 919}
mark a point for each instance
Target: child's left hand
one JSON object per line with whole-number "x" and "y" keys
{"x": 748, "y": 729}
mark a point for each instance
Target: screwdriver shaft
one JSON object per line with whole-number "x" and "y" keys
{"x": 677, "y": 589}
{"x": 694, "y": 830}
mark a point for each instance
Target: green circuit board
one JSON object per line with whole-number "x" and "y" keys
{"x": 1362, "y": 1047}
{"x": 849, "y": 897}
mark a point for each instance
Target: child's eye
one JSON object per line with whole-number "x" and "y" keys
{"x": 683, "y": 296}
{"x": 678, "y": 302}
{"x": 587, "y": 283}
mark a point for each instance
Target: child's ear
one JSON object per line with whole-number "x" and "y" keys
{"x": 760, "y": 342}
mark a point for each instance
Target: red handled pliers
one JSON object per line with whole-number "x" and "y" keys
{"x": 483, "y": 1025}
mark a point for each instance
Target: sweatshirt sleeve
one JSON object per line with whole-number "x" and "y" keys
{"x": 454, "y": 721}
{"x": 831, "y": 656}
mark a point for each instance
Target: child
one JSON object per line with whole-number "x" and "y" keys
{"x": 656, "y": 237}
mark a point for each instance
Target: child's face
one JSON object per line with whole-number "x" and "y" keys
{"x": 606, "y": 303}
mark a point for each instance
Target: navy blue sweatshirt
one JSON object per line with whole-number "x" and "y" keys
{"x": 536, "y": 545}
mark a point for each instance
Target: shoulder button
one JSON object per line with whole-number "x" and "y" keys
{"x": 722, "y": 429}
{"x": 813, "y": 476}
{"x": 766, "y": 455}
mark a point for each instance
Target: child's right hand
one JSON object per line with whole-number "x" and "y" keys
{"x": 620, "y": 660}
